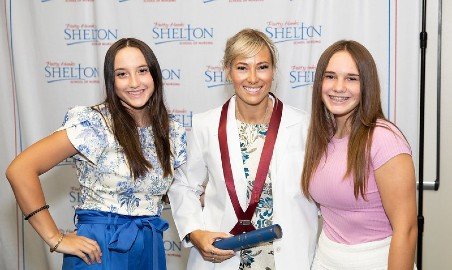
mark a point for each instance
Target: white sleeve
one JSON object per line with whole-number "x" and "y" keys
{"x": 185, "y": 191}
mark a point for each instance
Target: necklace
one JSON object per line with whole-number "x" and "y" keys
{"x": 241, "y": 118}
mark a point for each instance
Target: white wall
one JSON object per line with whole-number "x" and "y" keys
{"x": 438, "y": 204}
{"x": 8, "y": 226}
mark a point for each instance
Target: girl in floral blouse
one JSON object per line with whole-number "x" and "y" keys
{"x": 126, "y": 151}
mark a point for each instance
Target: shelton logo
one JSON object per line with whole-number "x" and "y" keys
{"x": 301, "y": 76}
{"x": 184, "y": 117}
{"x": 171, "y": 77}
{"x": 75, "y": 196}
{"x": 157, "y": 1}
{"x": 298, "y": 32}
{"x": 215, "y": 76}
{"x": 67, "y": 162}
{"x": 71, "y": 1}
{"x": 234, "y": 1}
{"x": 89, "y": 33}
{"x": 183, "y": 34}
{"x": 172, "y": 248}
{"x": 70, "y": 71}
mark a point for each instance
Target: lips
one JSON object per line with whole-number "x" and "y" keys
{"x": 339, "y": 99}
{"x": 135, "y": 93}
{"x": 252, "y": 90}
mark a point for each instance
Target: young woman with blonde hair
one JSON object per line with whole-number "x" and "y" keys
{"x": 226, "y": 149}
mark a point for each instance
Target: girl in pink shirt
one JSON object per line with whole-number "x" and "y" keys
{"x": 358, "y": 168}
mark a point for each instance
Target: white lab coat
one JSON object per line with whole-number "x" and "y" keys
{"x": 296, "y": 215}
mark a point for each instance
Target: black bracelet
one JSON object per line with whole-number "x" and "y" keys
{"x": 36, "y": 211}
{"x": 187, "y": 238}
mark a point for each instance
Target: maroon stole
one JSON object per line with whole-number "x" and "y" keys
{"x": 244, "y": 218}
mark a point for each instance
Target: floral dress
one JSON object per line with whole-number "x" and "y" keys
{"x": 104, "y": 175}
{"x": 252, "y": 138}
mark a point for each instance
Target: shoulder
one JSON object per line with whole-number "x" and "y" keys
{"x": 78, "y": 110}
{"x": 292, "y": 116}
{"x": 294, "y": 112}
{"x": 207, "y": 118}
{"x": 178, "y": 140}
{"x": 175, "y": 125}
{"x": 386, "y": 130}
{"x": 81, "y": 114}
{"x": 387, "y": 142}
{"x": 81, "y": 119}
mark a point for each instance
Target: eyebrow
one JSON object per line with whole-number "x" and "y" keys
{"x": 120, "y": 68}
{"x": 348, "y": 74}
{"x": 260, "y": 63}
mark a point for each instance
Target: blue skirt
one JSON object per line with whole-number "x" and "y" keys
{"x": 127, "y": 242}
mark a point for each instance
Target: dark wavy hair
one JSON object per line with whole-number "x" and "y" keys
{"x": 124, "y": 126}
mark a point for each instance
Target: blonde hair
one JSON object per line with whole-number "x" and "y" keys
{"x": 247, "y": 43}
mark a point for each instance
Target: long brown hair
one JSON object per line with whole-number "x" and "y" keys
{"x": 362, "y": 120}
{"x": 124, "y": 126}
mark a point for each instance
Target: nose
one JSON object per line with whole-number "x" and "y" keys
{"x": 133, "y": 81}
{"x": 339, "y": 85}
{"x": 252, "y": 77}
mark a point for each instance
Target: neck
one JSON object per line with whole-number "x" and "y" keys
{"x": 343, "y": 128}
{"x": 141, "y": 117}
{"x": 253, "y": 114}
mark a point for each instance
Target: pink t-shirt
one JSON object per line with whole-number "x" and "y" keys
{"x": 349, "y": 220}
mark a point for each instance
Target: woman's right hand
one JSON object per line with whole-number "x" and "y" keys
{"x": 87, "y": 249}
{"x": 203, "y": 241}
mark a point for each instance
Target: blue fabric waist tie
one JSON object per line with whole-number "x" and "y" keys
{"x": 126, "y": 234}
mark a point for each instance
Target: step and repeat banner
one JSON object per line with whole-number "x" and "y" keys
{"x": 57, "y": 49}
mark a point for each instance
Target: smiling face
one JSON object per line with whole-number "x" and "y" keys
{"x": 252, "y": 78}
{"x": 132, "y": 80}
{"x": 341, "y": 90}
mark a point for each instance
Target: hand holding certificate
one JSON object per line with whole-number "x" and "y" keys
{"x": 250, "y": 239}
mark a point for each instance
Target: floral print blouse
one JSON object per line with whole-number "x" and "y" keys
{"x": 105, "y": 180}
{"x": 252, "y": 138}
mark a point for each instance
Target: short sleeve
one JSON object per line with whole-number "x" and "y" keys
{"x": 178, "y": 139}
{"x": 86, "y": 130}
{"x": 387, "y": 142}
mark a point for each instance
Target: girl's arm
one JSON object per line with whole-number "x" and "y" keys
{"x": 23, "y": 174}
{"x": 397, "y": 185}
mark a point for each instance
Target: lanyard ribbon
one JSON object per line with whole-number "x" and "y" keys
{"x": 244, "y": 218}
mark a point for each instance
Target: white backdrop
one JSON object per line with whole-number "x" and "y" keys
{"x": 56, "y": 48}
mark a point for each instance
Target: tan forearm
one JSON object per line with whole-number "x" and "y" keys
{"x": 402, "y": 250}
{"x": 23, "y": 175}
{"x": 30, "y": 197}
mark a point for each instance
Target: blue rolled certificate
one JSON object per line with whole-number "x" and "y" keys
{"x": 250, "y": 239}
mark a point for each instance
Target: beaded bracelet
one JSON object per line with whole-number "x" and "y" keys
{"x": 58, "y": 243}
{"x": 36, "y": 211}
